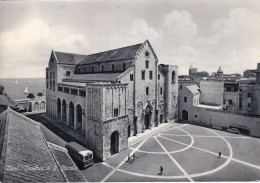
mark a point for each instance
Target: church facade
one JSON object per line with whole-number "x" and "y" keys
{"x": 112, "y": 95}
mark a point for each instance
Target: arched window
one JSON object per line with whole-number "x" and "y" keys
{"x": 53, "y": 85}
{"x": 102, "y": 68}
{"x": 53, "y": 75}
{"x": 173, "y": 76}
{"x": 50, "y": 75}
{"x": 47, "y": 84}
{"x": 124, "y": 66}
{"x": 50, "y": 85}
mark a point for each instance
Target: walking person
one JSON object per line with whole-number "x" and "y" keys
{"x": 161, "y": 170}
{"x": 128, "y": 158}
{"x": 219, "y": 155}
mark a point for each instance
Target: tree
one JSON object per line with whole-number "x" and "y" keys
{"x": 40, "y": 94}
{"x": 30, "y": 96}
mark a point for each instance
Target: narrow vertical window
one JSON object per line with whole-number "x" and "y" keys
{"x": 147, "y": 64}
{"x": 147, "y": 90}
{"x": 161, "y": 91}
{"x": 92, "y": 68}
{"x": 53, "y": 86}
{"x": 173, "y": 76}
{"x": 143, "y": 74}
{"x": 113, "y": 67}
{"x": 102, "y": 68}
{"x": 131, "y": 77}
{"x": 151, "y": 75}
{"x": 159, "y": 76}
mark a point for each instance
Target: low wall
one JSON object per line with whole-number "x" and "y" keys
{"x": 226, "y": 119}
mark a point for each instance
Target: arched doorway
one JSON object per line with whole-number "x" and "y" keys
{"x": 36, "y": 106}
{"x": 114, "y": 145}
{"x": 71, "y": 114}
{"x": 79, "y": 116}
{"x": 58, "y": 108}
{"x": 64, "y": 111}
{"x": 42, "y": 106}
{"x": 185, "y": 115}
{"x": 147, "y": 117}
{"x": 147, "y": 121}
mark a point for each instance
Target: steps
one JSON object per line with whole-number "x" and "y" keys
{"x": 148, "y": 133}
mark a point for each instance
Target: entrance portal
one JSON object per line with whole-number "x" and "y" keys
{"x": 147, "y": 121}
{"x": 114, "y": 145}
{"x": 185, "y": 115}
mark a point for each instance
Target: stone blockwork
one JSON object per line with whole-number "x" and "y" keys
{"x": 122, "y": 88}
{"x": 118, "y": 125}
{"x": 170, "y": 73}
{"x": 106, "y": 113}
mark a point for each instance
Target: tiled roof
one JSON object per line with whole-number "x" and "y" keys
{"x": 68, "y": 166}
{"x": 5, "y": 101}
{"x": 112, "y": 55}
{"x": 27, "y": 151}
{"x": 106, "y": 77}
{"x": 69, "y": 58}
{"x": 193, "y": 89}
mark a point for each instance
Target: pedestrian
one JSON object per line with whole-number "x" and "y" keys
{"x": 134, "y": 156}
{"x": 219, "y": 155}
{"x": 161, "y": 170}
{"x": 129, "y": 158}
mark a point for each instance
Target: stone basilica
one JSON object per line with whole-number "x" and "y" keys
{"x": 112, "y": 95}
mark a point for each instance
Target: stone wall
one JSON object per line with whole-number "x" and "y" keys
{"x": 125, "y": 78}
{"x": 226, "y": 119}
{"x": 233, "y": 96}
{"x": 107, "y": 67}
{"x": 115, "y": 125}
{"x": 140, "y": 97}
{"x": 171, "y": 91}
{"x": 94, "y": 136}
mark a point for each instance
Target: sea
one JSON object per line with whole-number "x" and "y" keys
{"x": 16, "y": 89}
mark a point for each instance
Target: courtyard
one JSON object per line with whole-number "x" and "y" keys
{"x": 186, "y": 153}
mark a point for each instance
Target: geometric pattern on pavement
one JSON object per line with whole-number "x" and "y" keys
{"x": 171, "y": 143}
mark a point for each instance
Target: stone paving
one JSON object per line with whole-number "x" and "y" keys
{"x": 187, "y": 153}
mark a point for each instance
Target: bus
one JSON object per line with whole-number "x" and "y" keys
{"x": 80, "y": 155}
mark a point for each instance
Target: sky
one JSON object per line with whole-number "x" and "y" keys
{"x": 206, "y": 34}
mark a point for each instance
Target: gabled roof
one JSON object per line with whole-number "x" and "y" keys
{"x": 86, "y": 78}
{"x": 68, "y": 58}
{"x": 193, "y": 89}
{"x": 62, "y": 156}
{"x": 112, "y": 55}
{"x": 27, "y": 150}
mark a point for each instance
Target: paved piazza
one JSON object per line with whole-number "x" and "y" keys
{"x": 187, "y": 153}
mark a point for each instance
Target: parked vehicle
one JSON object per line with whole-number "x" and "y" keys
{"x": 233, "y": 130}
{"x": 217, "y": 127}
{"x": 80, "y": 155}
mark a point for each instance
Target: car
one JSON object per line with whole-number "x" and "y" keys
{"x": 233, "y": 130}
{"x": 217, "y": 127}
